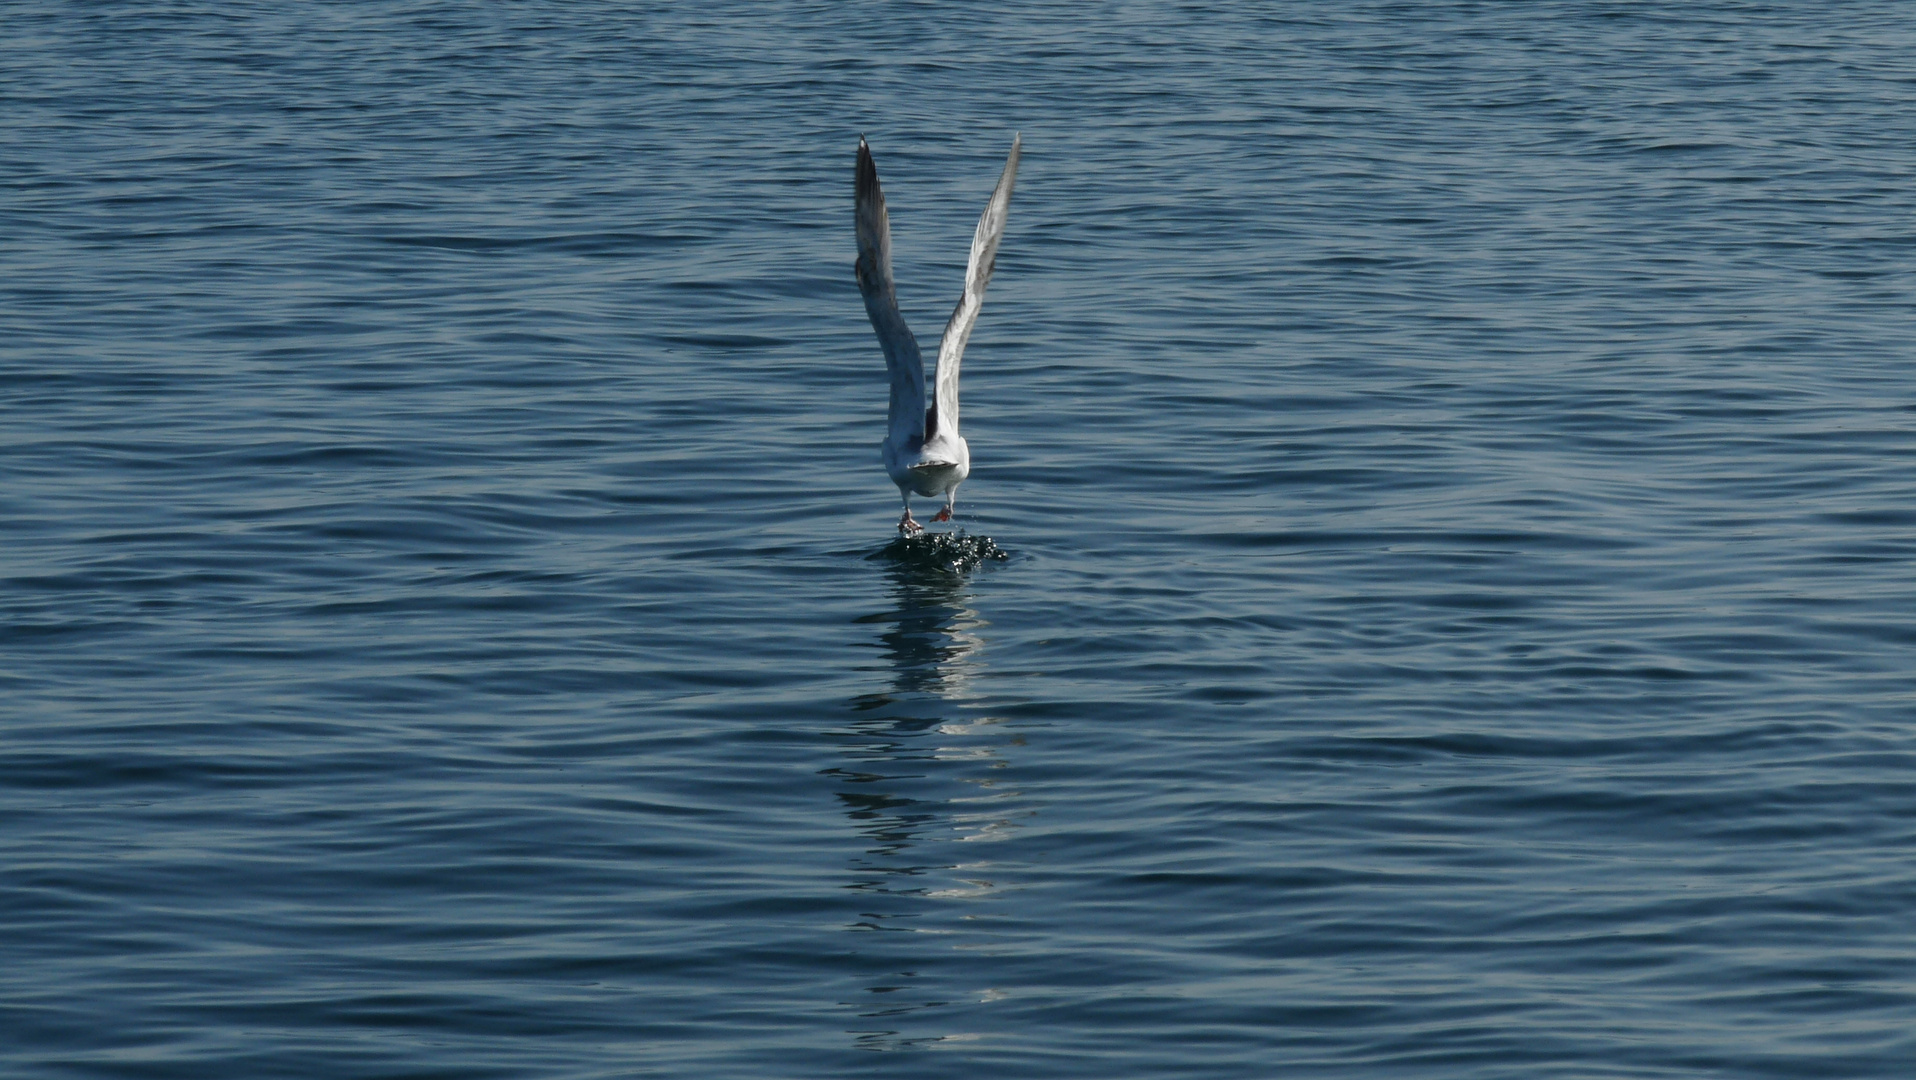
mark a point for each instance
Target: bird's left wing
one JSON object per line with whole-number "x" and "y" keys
{"x": 903, "y": 361}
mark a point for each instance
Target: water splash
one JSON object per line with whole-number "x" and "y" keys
{"x": 953, "y": 552}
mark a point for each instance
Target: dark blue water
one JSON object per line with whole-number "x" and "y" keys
{"x": 1457, "y": 463}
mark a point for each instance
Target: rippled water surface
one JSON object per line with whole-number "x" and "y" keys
{"x": 1454, "y": 463}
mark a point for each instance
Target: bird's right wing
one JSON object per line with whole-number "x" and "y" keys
{"x": 902, "y": 358}
{"x": 984, "y": 256}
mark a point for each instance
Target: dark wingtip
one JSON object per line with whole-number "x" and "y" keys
{"x": 867, "y": 180}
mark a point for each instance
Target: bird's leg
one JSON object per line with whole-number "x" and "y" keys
{"x": 951, "y": 497}
{"x": 908, "y": 527}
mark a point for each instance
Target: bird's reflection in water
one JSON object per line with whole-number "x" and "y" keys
{"x": 923, "y": 785}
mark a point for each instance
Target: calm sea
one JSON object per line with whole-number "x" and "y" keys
{"x": 1456, "y": 462}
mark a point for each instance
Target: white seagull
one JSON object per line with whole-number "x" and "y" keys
{"x": 923, "y": 451}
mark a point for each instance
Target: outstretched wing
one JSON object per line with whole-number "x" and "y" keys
{"x": 984, "y": 256}
{"x": 902, "y": 359}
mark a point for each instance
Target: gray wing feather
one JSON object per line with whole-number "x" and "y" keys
{"x": 903, "y": 361}
{"x": 984, "y": 257}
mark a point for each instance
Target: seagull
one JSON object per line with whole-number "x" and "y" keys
{"x": 923, "y": 451}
